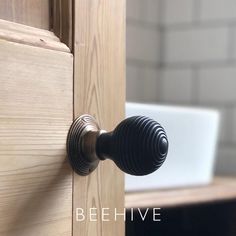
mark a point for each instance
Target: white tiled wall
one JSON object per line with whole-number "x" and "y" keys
{"x": 134, "y": 10}
{"x": 152, "y": 11}
{"x": 176, "y": 86}
{"x": 226, "y": 120}
{"x": 226, "y": 160}
{"x": 173, "y": 13}
{"x": 142, "y": 83}
{"x": 184, "y": 52}
{"x": 218, "y": 9}
{"x": 192, "y": 44}
{"x": 218, "y": 85}
{"x": 146, "y": 37}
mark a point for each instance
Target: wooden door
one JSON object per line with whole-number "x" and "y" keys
{"x": 58, "y": 59}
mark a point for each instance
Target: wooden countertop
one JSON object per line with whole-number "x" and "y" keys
{"x": 221, "y": 189}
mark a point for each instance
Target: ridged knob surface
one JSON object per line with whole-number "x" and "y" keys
{"x": 138, "y": 145}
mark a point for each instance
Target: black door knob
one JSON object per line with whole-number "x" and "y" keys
{"x": 138, "y": 145}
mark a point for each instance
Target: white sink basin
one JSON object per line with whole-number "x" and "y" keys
{"x": 192, "y": 134}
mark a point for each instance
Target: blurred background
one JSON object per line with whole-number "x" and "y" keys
{"x": 184, "y": 53}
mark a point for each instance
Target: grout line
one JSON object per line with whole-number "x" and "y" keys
{"x": 202, "y": 64}
{"x": 181, "y": 65}
{"x": 199, "y": 24}
{"x": 142, "y": 63}
{"x": 195, "y": 23}
{"x": 142, "y": 24}
{"x": 210, "y": 105}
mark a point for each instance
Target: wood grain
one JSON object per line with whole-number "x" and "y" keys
{"x": 19, "y": 28}
{"x": 35, "y": 114}
{"x": 30, "y": 36}
{"x": 35, "y": 13}
{"x": 62, "y": 20}
{"x": 99, "y": 90}
{"x": 222, "y": 189}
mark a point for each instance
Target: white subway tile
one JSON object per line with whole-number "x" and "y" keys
{"x": 134, "y": 10}
{"x": 225, "y": 134}
{"x": 176, "y": 86}
{"x": 142, "y": 84}
{"x": 217, "y": 85}
{"x": 143, "y": 43}
{"x": 150, "y": 84}
{"x": 196, "y": 45}
{"x": 217, "y": 9}
{"x": 132, "y": 82}
{"x": 226, "y": 161}
{"x": 180, "y": 11}
{"x": 152, "y": 11}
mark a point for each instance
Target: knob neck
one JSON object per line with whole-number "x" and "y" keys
{"x": 104, "y": 146}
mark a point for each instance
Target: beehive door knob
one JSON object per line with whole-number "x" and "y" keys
{"x": 138, "y": 145}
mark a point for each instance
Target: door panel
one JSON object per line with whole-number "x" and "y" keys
{"x": 99, "y": 90}
{"x": 34, "y": 13}
{"x": 41, "y": 91}
{"x": 22, "y": 34}
{"x": 35, "y": 115}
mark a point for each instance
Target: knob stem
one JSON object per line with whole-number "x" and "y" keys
{"x": 104, "y": 145}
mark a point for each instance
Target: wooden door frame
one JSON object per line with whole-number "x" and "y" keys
{"x": 95, "y": 32}
{"x": 62, "y": 20}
